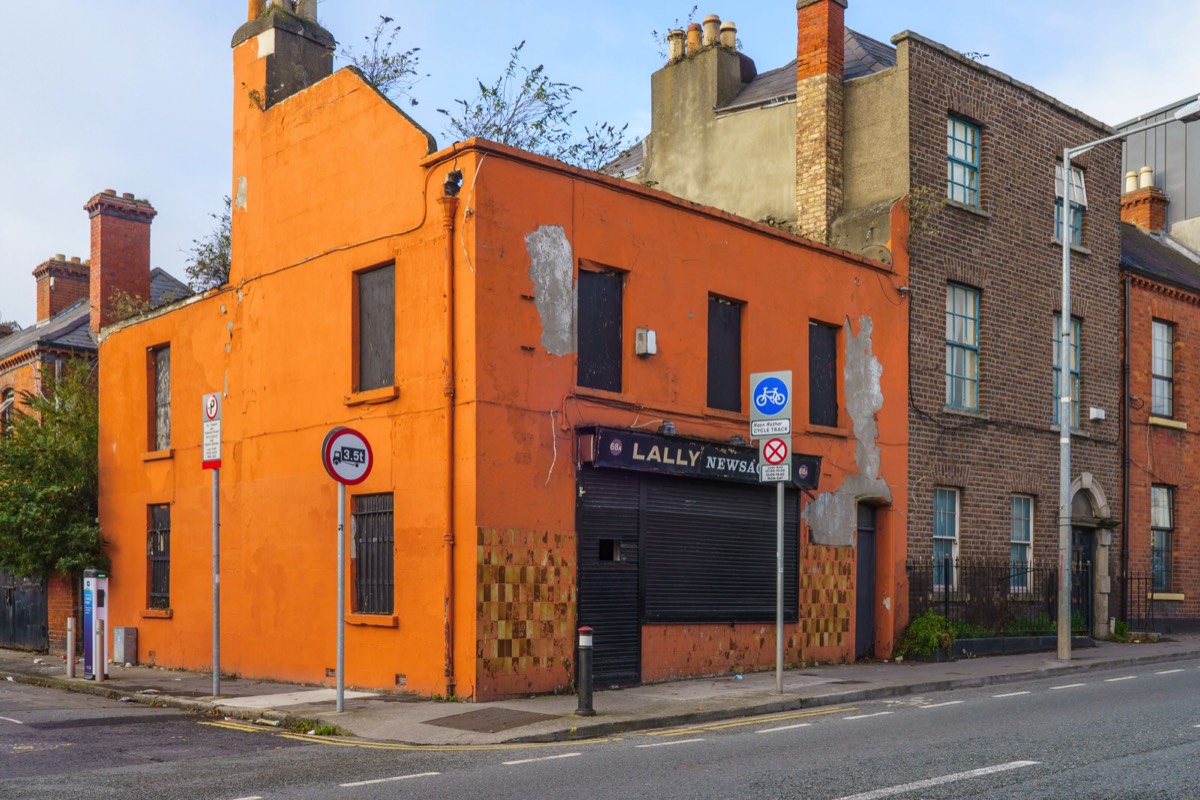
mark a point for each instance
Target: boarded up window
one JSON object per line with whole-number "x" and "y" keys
{"x": 373, "y": 556}
{"x": 600, "y": 330}
{"x": 160, "y": 401}
{"x": 822, "y": 375}
{"x": 158, "y": 557}
{"x": 724, "y": 354}
{"x": 376, "y": 322}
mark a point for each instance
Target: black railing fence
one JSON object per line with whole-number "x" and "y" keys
{"x": 988, "y": 597}
{"x": 1140, "y": 604}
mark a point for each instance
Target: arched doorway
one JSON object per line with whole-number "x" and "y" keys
{"x": 1091, "y": 540}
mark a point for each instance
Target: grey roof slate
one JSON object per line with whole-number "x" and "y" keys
{"x": 1150, "y": 255}
{"x": 70, "y": 329}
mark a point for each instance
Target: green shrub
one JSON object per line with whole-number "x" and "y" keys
{"x": 926, "y": 635}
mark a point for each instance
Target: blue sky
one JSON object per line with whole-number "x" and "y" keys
{"x": 135, "y": 95}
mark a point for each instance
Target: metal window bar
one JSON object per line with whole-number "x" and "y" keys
{"x": 374, "y": 554}
{"x": 997, "y": 596}
{"x": 158, "y": 555}
{"x": 1141, "y": 605}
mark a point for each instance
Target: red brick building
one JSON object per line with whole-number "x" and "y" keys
{"x": 1162, "y": 333}
{"x": 75, "y": 297}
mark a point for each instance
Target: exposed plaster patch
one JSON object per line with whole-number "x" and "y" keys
{"x": 887, "y": 603}
{"x": 551, "y": 268}
{"x": 239, "y": 200}
{"x": 833, "y": 516}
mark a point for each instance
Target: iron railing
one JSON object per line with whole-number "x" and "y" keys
{"x": 989, "y": 597}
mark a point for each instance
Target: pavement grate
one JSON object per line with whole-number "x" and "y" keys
{"x": 490, "y": 720}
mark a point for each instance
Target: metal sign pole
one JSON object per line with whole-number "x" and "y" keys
{"x": 341, "y": 592}
{"x": 216, "y": 566}
{"x": 779, "y": 588}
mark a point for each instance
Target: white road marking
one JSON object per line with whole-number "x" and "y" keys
{"x": 668, "y": 744}
{"x": 543, "y": 758}
{"x": 1010, "y": 694}
{"x": 1114, "y": 680}
{"x": 868, "y": 716}
{"x": 389, "y": 780}
{"x": 948, "y": 703}
{"x": 785, "y": 728}
{"x": 1067, "y": 686}
{"x": 251, "y": 797}
{"x": 1168, "y": 672}
{"x": 958, "y": 776}
{"x": 10, "y": 719}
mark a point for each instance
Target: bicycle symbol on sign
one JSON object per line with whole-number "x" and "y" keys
{"x": 770, "y": 395}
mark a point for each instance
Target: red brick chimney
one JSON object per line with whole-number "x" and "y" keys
{"x": 60, "y": 285}
{"x": 1143, "y": 203}
{"x": 820, "y": 66}
{"x": 120, "y": 251}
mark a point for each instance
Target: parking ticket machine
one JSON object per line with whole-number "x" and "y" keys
{"x": 95, "y": 610}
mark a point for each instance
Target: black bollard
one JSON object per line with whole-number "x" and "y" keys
{"x": 584, "y": 676}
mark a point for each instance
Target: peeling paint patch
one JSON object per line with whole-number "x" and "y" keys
{"x": 833, "y": 516}
{"x": 239, "y": 200}
{"x": 551, "y": 269}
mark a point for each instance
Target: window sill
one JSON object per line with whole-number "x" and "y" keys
{"x": 965, "y": 412}
{"x": 1173, "y": 596}
{"x": 158, "y": 613}
{"x": 159, "y": 455}
{"x": 1076, "y": 433}
{"x": 375, "y": 620}
{"x": 826, "y": 430}
{"x": 1075, "y": 248}
{"x": 599, "y": 394}
{"x": 1164, "y": 422}
{"x": 979, "y": 212}
{"x": 385, "y": 394}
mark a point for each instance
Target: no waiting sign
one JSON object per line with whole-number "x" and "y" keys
{"x": 210, "y": 421}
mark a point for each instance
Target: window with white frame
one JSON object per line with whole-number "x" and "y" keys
{"x": 1076, "y": 326}
{"x": 1022, "y": 542}
{"x": 962, "y": 347}
{"x": 1162, "y": 369}
{"x": 962, "y": 161}
{"x": 1078, "y": 202}
{"x": 945, "y": 536}
{"x": 1162, "y": 536}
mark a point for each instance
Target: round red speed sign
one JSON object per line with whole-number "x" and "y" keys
{"x": 347, "y": 455}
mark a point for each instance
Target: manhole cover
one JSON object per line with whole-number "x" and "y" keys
{"x": 490, "y": 720}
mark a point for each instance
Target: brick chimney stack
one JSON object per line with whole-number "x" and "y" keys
{"x": 60, "y": 285}
{"x": 1143, "y": 203}
{"x": 120, "y": 251}
{"x": 820, "y": 67}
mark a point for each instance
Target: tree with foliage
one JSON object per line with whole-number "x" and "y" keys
{"x": 208, "y": 258}
{"x": 49, "y": 477}
{"x": 524, "y": 108}
{"x": 390, "y": 72}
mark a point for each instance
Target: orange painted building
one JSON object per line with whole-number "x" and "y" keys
{"x": 551, "y": 366}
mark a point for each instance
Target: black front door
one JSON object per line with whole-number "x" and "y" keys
{"x": 864, "y": 606}
{"x": 23, "y": 613}
{"x": 1083, "y": 558}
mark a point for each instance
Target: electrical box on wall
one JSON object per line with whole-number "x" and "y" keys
{"x": 645, "y": 342}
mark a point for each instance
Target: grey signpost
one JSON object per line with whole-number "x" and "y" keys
{"x": 211, "y": 459}
{"x": 347, "y": 457}
{"x": 771, "y": 424}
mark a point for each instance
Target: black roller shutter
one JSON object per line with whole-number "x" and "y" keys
{"x": 708, "y": 551}
{"x": 607, "y": 527}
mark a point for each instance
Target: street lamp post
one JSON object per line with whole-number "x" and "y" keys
{"x": 1188, "y": 113}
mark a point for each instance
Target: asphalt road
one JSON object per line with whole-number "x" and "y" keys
{"x": 1131, "y": 733}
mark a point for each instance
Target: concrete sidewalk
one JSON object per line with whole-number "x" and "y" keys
{"x": 403, "y": 718}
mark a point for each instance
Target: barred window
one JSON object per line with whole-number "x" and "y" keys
{"x": 373, "y": 555}
{"x": 158, "y": 557}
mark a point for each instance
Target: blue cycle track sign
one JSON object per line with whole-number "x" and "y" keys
{"x": 771, "y": 396}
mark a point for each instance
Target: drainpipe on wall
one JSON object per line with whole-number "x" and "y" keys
{"x": 1125, "y": 408}
{"x": 449, "y": 203}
